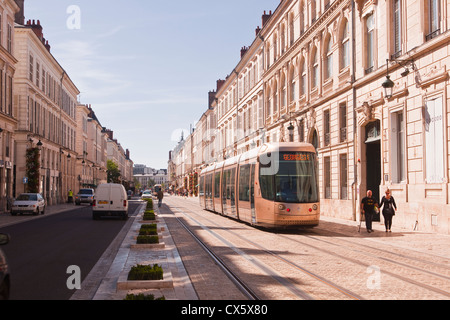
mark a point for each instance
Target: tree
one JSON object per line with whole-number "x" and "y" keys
{"x": 113, "y": 172}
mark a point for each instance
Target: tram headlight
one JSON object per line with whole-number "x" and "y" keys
{"x": 315, "y": 207}
{"x": 281, "y": 207}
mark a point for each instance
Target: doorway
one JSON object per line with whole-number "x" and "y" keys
{"x": 373, "y": 160}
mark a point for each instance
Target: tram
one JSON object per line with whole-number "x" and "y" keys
{"x": 274, "y": 186}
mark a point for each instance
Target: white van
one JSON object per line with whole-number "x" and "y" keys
{"x": 110, "y": 200}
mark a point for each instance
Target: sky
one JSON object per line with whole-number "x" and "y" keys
{"x": 146, "y": 66}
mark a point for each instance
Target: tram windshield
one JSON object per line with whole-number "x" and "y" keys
{"x": 295, "y": 180}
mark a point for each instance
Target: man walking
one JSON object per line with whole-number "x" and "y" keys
{"x": 368, "y": 205}
{"x": 160, "y": 196}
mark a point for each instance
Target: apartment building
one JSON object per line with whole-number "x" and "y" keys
{"x": 91, "y": 149}
{"x": 46, "y": 100}
{"x": 366, "y": 83}
{"x": 8, "y": 111}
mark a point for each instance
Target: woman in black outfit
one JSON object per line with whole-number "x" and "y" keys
{"x": 389, "y": 208}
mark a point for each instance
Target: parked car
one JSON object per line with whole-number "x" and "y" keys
{"x": 84, "y": 196}
{"x": 110, "y": 200}
{"x": 5, "y": 282}
{"x": 28, "y": 203}
{"x": 147, "y": 194}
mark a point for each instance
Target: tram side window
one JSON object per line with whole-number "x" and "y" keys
{"x": 244, "y": 183}
{"x": 266, "y": 182}
{"x": 217, "y": 185}
{"x": 208, "y": 186}
{"x": 201, "y": 191}
{"x": 225, "y": 182}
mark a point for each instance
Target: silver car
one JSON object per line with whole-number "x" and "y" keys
{"x": 4, "y": 270}
{"x": 85, "y": 196}
{"x": 28, "y": 203}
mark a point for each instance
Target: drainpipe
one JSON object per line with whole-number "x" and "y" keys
{"x": 355, "y": 158}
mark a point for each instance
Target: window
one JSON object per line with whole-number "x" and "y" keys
{"x": 38, "y": 75}
{"x": 303, "y": 80}
{"x": 326, "y": 127}
{"x": 31, "y": 67}
{"x": 398, "y": 147}
{"x": 397, "y": 28}
{"x": 10, "y": 35}
{"x": 315, "y": 70}
{"x": 244, "y": 183}
{"x": 345, "y": 61}
{"x": 434, "y": 139}
{"x": 283, "y": 91}
{"x": 342, "y": 122}
{"x": 327, "y": 177}
{"x": 275, "y": 99}
{"x": 434, "y": 19}
{"x": 291, "y": 30}
{"x": 217, "y": 185}
{"x": 292, "y": 84}
{"x": 343, "y": 176}
{"x": 313, "y": 11}
{"x": 329, "y": 59}
{"x": 370, "y": 45}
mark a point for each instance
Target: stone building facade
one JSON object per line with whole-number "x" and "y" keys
{"x": 319, "y": 67}
{"x": 8, "y": 111}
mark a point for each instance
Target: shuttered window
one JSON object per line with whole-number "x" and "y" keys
{"x": 434, "y": 139}
{"x": 397, "y": 28}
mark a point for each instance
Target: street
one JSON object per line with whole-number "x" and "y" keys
{"x": 333, "y": 261}
{"x": 41, "y": 251}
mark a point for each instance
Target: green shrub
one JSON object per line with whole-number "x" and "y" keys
{"x": 148, "y": 229}
{"x": 149, "y": 216}
{"x": 147, "y": 239}
{"x": 146, "y": 272}
{"x": 141, "y": 296}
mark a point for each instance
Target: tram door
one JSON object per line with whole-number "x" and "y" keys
{"x": 252, "y": 193}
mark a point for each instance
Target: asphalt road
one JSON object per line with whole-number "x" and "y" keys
{"x": 41, "y": 251}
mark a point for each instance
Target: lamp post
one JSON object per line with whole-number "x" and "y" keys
{"x": 388, "y": 84}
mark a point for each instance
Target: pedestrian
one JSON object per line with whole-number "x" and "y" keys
{"x": 368, "y": 205}
{"x": 389, "y": 208}
{"x": 70, "y": 200}
{"x": 160, "y": 196}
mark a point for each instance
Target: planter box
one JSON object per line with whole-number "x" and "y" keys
{"x": 125, "y": 284}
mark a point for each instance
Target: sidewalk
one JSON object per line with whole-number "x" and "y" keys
{"x": 167, "y": 257}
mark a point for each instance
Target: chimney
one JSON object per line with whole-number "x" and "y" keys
{"x": 220, "y": 83}
{"x": 37, "y": 28}
{"x": 258, "y": 30}
{"x": 127, "y": 154}
{"x": 47, "y": 46}
{"x": 211, "y": 97}
{"x": 266, "y": 17}
{"x": 243, "y": 51}
{"x": 20, "y": 16}
{"x": 110, "y": 134}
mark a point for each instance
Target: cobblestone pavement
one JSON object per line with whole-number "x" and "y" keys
{"x": 332, "y": 261}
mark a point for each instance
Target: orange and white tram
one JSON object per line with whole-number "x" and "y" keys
{"x": 273, "y": 186}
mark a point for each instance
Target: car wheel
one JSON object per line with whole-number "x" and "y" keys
{"x": 36, "y": 213}
{"x": 43, "y": 211}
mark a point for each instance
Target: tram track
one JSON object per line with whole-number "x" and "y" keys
{"x": 280, "y": 278}
{"x": 399, "y": 270}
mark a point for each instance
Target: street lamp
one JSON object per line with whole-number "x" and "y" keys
{"x": 291, "y": 132}
{"x": 291, "y": 128}
{"x": 388, "y": 84}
